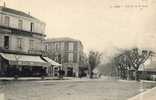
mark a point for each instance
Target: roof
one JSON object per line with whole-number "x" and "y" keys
{"x": 16, "y": 12}
{"x": 61, "y": 39}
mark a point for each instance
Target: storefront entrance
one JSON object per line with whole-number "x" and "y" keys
{"x": 70, "y": 72}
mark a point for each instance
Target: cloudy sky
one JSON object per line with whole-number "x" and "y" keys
{"x": 97, "y": 23}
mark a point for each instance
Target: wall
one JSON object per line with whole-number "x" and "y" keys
{"x": 38, "y": 42}
{"x": 39, "y": 27}
{"x": 65, "y": 50}
{"x": 76, "y": 50}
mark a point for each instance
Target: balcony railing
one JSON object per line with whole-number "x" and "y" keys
{"x": 37, "y": 52}
{"x": 11, "y": 30}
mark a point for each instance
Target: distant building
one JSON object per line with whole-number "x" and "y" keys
{"x": 68, "y": 52}
{"x": 21, "y": 43}
{"x": 148, "y": 69}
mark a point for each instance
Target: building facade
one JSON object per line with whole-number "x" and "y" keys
{"x": 20, "y": 31}
{"x": 68, "y": 52}
{"x": 21, "y": 43}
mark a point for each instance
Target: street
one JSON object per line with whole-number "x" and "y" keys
{"x": 71, "y": 90}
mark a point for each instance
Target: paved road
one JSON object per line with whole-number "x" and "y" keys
{"x": 147, "y": 95}
{"x": 70, "y": 90}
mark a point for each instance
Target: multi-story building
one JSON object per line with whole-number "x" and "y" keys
{"x": 21, "y": 42}
{"x": 20, "y": 31}
{"x": 68, "y": 52}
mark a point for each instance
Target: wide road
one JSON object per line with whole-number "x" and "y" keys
{"x": 71, "y": 90}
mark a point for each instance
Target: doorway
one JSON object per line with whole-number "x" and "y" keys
{"x": 69, "y": 72}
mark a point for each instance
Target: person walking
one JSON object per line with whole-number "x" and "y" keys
{"x": 61, "y": 73}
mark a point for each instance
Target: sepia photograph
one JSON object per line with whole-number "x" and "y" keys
{"x": 77, "y": 50}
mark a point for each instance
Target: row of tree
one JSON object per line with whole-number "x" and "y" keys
{"x": 124, "y": 65}
{"x": 130, "y": 60}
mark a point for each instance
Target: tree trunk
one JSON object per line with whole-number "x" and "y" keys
{"x": 136, "y": 75}
{"x": 124, "y": 74}
{"x": 128, "y": 74}
{"x": 90, "y": 73}
{"x": 118, "y": 73}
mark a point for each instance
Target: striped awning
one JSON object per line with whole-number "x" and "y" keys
{"x": 25, "y": 60}
{"x": 50, "y": 61}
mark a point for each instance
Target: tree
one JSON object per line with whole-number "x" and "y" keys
{"x": 131, "y": 59}
{"x": 123, "y": 65}
{"x": 94, "y": 58}
{"x": 137, "y": 58}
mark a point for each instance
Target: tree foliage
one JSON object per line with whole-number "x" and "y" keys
{"x": 131, "y": 59}
{"x": 94, "y": 58}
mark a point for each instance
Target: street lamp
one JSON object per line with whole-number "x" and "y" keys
{"x": 17, "y": 57}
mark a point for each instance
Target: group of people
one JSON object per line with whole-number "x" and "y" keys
{"x": 61, "y": 73}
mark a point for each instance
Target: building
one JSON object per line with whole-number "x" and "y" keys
{"x": 148, "y": 69}
{"x": 68, "y": 52}
{"x": 20, "y": 31}
{"x": 21, "y": 43}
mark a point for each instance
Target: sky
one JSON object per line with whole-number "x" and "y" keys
{"x": 99, "y": 24}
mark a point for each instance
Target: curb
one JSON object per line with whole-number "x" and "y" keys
{"x": 142, "y": 96}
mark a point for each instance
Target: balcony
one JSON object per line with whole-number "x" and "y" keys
{"x": 5, "y": 29}
{"x": 37, "y": 52}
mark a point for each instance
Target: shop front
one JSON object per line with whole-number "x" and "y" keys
{"x": 22, "y": 65}
{"x": 54, "y": 68}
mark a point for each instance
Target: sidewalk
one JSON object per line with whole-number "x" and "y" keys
{"x": 26, "y": 78}
{"x": 45, "y": 79}
{"x": 71, "y": 79}
{"x": 147, "y": 95}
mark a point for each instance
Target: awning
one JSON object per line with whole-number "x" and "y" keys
{"x": 52, "y": 62}
{"x": 26, "y": 60}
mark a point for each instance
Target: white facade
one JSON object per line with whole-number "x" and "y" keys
{"x": 25, "y": 32}
{"x": 39, "y": 27}
{"x": 37, "y": 44}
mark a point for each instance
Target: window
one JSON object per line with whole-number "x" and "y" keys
{"x": 62, "y": 46}
{"x": 19, "y": 43}
{"x": 65, "y": 57}
{"x": 31, "y": 27}
{"x": 6, "y": 42}
{"x": 6, "y": 20}
{"x": 52, "y": 46}
{"x": 71, "y": 46}
{"x": 75, "y": 59}
{"x": 46, "y": 47}
{"x": 56, "y": 46}
{"x": 20, "y": 24}
{"x": 70, "y": 57}
{"x": 31, "y": 44}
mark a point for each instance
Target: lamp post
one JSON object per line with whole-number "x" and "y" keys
{"x": 17, "y": 57}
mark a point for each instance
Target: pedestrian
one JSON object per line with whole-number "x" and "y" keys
{"x": 80, "y": 74}
{"x": 61, "y": 73}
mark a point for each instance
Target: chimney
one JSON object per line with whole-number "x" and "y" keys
{"x": 4, "y": 5}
